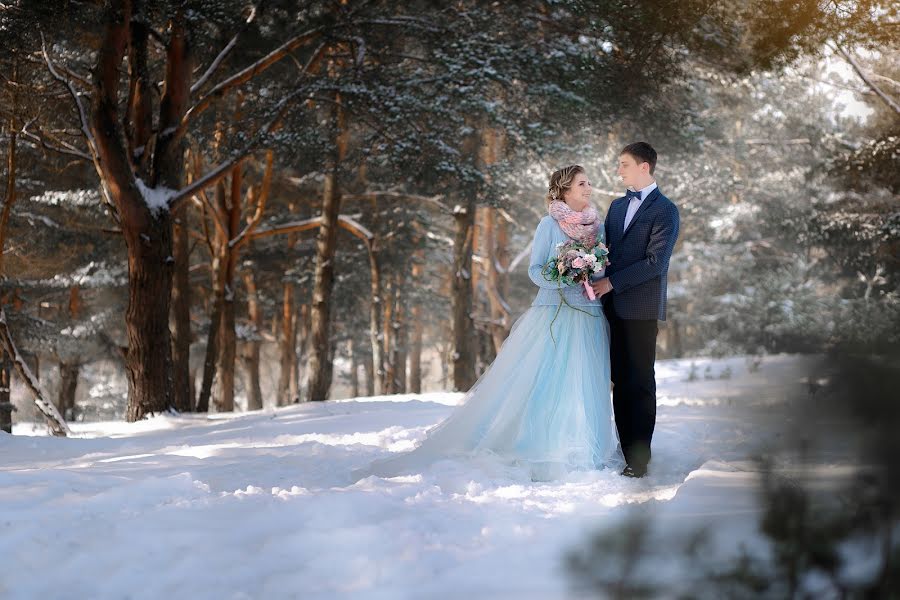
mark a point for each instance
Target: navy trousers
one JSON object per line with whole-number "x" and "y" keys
{"x": 632, "y": 356}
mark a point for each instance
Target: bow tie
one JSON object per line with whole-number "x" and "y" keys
{"x": 629, "y": 194}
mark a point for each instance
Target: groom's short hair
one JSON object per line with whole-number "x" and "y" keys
{"x": 642, "y": 152}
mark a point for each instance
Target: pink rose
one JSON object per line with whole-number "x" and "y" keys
{"x": 578, "y": 263}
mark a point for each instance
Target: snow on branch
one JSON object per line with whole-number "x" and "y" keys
{"x": 157, "y": 198}
{"x": 357, "y": 226}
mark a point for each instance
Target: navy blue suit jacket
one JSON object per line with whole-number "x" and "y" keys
{"x": 639, "y": 256}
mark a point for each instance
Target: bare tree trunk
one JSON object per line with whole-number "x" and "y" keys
{"x": 368, "y": 371}
{"x": 251, "y": 357}
{"x": 10, "y": 195}
{"x": 181, "y": 315}
{"x": 302, "y": 349}
{"x": 224, "y": 397}
{"x": 217, "y": 272}
{"x": 320, "y": 367}
{"x": 148, "y": 359}
{"x": 354, "y": 369}
{"x": 464, "y": 350}
{"x": 6, "y": 405}
{"x": 376, "y": 377}
{"x": 498, "y": 279}
{"x": 68, "y": 385}
{"x": 400, "y": 334}
{"x": 288, "y": 345}
{"x": 228, "y": 348}
{"x": 387, "y": 336}
{"x": 482, "y": 247}
{"x": 415, "y": 346}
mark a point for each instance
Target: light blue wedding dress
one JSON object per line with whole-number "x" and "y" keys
{"x": 542, "y": 404}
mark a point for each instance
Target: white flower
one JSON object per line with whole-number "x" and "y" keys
{"x": 590, "y": 258}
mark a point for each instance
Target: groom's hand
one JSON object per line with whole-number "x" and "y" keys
{"x": 602, "y": 286}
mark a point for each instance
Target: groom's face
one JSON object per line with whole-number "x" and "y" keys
{"x": 631, "y": 172}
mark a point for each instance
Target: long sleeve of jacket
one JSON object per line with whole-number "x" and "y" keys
{"x": 662, "y": 241}
{"x": 541, "y": 250}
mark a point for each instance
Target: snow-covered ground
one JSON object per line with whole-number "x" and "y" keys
{"x": 260, "y": 504}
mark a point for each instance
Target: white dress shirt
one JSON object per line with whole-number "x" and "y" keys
{"x": 634, "y": 204}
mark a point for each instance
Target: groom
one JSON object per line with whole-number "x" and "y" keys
{"x": 641, "y": 229}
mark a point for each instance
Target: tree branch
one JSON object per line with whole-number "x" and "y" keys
{"x": 242, "y": 238}
{"x": 225, "y": 51}
{"x": 859, "y": 71}
{"x": 433, "y": 200}
{"x": 222, "y": 169}
{"x": 297, "y": 226}
{"x": 246, "y": 74}
{"x": 55, "y": 421}
{"x": 205, "y": 201}
{"x": 82, "y": 114}
{"x": 85, "y": 130}
{"x": 62, "y": 148}
{"x": 893, "y": 82}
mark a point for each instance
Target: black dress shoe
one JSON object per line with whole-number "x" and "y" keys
{"x": 630, "y": 471}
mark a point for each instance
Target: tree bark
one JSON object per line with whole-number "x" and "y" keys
{"x": 320, "y": 367}
{"x": 482, "y": 248}
{"x": 464, "y": 351}
{"x": 228, "y": 340}
{"x": 68, "y": 385}
{"x": 251, "y": 356}
{"x": 368, "y": 371}
{"x": 415, "y": 346}
{"x": 288, "y": 345}
{"x": 376, "y": 377}
{"x": 400, "y": 336}
{"x": 10, "y": 195}
{"x": 181, "y": 315}
{"x": 301, "y": 351}
{"x": 498, "y": 279}
{"x": 387, "y": 335}
{"x": 6, "y": 405}
{"x": 354, "y": 369}
{"x": 148, "y": 358}
{"x": 217, "y": 271}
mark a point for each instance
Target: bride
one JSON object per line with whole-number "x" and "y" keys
{"x": 544, "y": 403}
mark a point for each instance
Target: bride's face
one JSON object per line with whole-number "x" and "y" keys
{"x": 579, "y": 195}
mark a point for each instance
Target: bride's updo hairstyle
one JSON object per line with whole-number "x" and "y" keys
{"x": 561, "y": 182}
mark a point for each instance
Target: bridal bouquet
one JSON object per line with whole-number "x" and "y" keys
{"x": 575, "y": 262}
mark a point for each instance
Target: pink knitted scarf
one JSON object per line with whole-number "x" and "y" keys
{"x": 580, "y": 226}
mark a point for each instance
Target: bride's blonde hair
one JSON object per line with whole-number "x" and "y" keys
{"x": 561, "y": 182}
